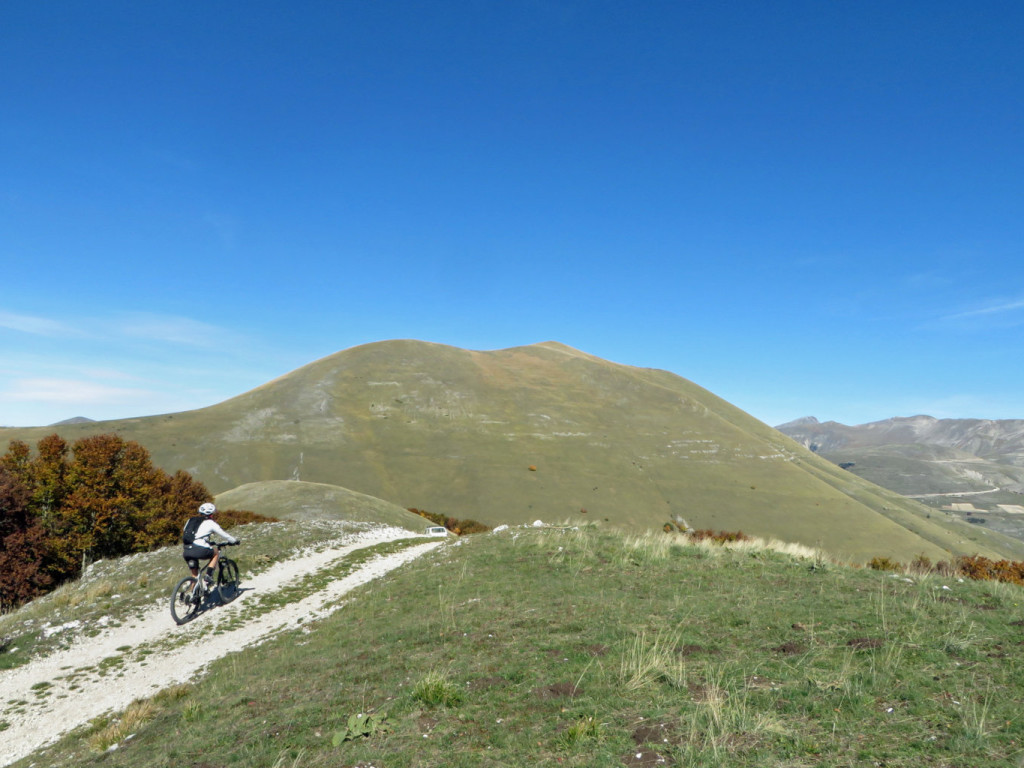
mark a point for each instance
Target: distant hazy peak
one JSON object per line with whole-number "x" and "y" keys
{"x": 804, "y": 421}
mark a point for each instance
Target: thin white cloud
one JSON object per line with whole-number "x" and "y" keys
{"x": 147, "y": 326}
{"x": 116, "y": 366}
{"x": 171, "y": 329}
{"x": 70, "y": 391}
{"x": 991, "y": 315}
{"x": 999, "y": 308}
{"x": 38, "y": 326}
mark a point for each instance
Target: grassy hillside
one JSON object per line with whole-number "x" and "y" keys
{"x": 297, "y": 500}
{"x": 539, "y": 432}
{"x": 585, "y": 648}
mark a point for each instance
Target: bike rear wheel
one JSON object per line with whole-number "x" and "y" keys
{"x": 227, "y": 580}
{"x": 184, "y": 601}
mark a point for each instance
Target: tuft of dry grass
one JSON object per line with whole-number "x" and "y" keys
{"x": 135, "y": 716}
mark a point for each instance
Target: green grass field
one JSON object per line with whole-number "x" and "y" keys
{"x": 583, "y": 647}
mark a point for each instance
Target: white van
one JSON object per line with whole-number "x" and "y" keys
{"x": 437, "y": 530}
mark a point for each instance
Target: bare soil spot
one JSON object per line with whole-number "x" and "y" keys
{"x": 762, "y": 683}
{"x": 654, "y": 733}
{"x": 483, "y": 683}
{"x": 789, "y": 648}
{"x": 703, "y": 693}
{"x": 865, "y": 643}
{"x": 643, "y": 758}
{"x": 557, "y": 691}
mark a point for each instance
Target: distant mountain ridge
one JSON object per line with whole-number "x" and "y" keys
{"x": 542, "y": 431}
{"x": 74, "y": 420}
{"x": 973, "y": 468}
{"x": 995, "y": 440}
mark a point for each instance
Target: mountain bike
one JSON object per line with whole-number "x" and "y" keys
{"x": 193, "y": 592}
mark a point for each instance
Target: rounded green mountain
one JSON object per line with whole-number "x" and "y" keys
{"x": 539, "y": 432}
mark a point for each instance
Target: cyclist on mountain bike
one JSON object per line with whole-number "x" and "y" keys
{"x": 203, "y": 526}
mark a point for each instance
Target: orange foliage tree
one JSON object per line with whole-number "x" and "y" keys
{"x": 22, "y": 545}
{"x": 64, "y": 507}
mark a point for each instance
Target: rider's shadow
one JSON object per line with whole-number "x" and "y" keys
{"x": 217, "y": 598}
{"x": 226, "y": 595}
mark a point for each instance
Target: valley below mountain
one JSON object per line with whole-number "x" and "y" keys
{"x": 970, "y": 468}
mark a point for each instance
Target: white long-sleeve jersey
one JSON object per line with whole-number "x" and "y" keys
{"x": 208, "y": 527}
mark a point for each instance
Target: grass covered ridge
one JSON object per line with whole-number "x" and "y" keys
{"x": 539, "y": 432}
{"x": 585, "y": 648}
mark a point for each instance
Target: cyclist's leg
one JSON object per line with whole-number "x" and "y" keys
{"x": 211, "y": 567}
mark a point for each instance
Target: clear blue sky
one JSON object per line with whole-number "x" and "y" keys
{"x": 809, "y": 208}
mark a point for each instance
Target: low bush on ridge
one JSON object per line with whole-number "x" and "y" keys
{"x": 721, "y": 537}
{"x": 456, "y": 526}
{"x": 974, "y": 567}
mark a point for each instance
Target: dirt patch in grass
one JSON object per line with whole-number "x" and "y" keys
{"x": 483, "y": 683}
{"x": 702, "y": 692}
{"x": 643, "y": 758}
{"x": 865, "y": 643}
{"x": 557, "y": 691}
{"x": 762, "y": 683}
{"x": 789, "y": 648}
{"x": 597, "y": 650}
{"x": 654, "y": 733}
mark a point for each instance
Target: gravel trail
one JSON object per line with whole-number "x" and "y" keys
{"x": 66, "y": 689}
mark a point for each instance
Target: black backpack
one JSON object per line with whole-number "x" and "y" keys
{"x": 189, "y": 534}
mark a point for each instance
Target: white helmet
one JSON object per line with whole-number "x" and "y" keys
{"x": 207, "y": 509}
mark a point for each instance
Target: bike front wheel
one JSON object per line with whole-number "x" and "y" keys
{"x": 184, "y": 601}
{"x": 227, "y": 580}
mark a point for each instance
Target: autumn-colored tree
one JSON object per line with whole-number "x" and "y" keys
{"x": 23, "y": 573}
{"x": 64, "y": 507}
{"x": 178, "y": 497}
{"x": 14, "y": 514}
{"x": 111, "y": 482}
{"x": 18, "y": 461}
{"x": 23, "y": 549}
{"x": 49, "y": 477}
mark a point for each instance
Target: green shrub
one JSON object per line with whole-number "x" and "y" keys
{"x": 436, "y": 689}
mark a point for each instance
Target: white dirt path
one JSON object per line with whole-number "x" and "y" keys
{"x": 72, "y": 699}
